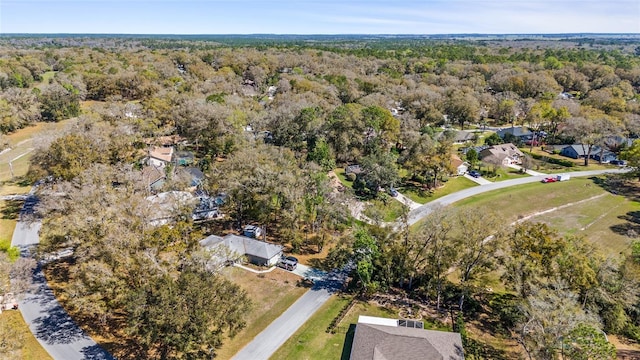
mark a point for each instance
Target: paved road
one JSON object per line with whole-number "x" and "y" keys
{"x": 282, "y": 328}
{"x": 424, "y": 210}
{"x": 48, "y": 321}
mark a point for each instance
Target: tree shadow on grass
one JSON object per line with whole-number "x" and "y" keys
{"x": 11, "y": 209}
{"x": 619, "y": 184}
{"x": 631, "y": 226}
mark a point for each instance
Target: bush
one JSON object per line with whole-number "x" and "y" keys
{"x": 350, "y": 177}
{"x": 13, "y": 252}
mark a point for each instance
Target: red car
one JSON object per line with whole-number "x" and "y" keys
{"x": 549, "y": 180}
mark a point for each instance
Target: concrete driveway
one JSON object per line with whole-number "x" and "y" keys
{"x": 478, "y": 180}
{"x": 408, "y": 202}
{"x": 307, "y": 272}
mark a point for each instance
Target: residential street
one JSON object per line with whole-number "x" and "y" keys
{"x": 48, "y": 321}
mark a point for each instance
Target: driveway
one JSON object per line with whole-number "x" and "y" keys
{"x": 282, "y": 328}
{"x": 478, "y": 180}
{"x": 307, "y": 272}
{"x": 58, "y": 334}
{"x": 406, "y": 201}
{"x": 530, "y": 172}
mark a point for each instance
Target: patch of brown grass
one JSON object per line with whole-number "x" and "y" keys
{"x": 271, "y": 293}
{"x": 31, "y": 349}
{"x": 626, "y": 350}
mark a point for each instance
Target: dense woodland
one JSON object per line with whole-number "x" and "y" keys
{"x": 267, "y": 121}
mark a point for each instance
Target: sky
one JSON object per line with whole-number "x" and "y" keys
{"x": 319, "y": 16}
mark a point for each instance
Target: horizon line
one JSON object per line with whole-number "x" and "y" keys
{"x": 320, "y": 34}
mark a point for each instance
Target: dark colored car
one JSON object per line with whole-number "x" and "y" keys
{"x": 393, "y": 192}
{"x": 618, "y": 162}
{"x": 474, "y": 173}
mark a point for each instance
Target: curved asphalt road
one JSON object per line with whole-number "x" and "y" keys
{"x": 47, "y": 320}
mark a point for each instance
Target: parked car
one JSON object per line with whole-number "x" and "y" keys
{"x": 393, "y": 192}
{"x": 474, "y": 173}
{"x": 549, "y": 180}
{"x": 618, "y": 162}
{"x": 288, "y": 262}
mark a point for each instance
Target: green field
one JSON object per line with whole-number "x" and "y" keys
{"x": 596, "y": 214}
{"x": 22, "y": 146}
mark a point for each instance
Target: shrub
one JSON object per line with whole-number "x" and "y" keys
{"x": 351, "y": 177}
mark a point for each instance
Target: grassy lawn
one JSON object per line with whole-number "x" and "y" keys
{"x": 343, "y": 178}
{"x": 579, "y": 163}
{"x": 271, "y": 293}
{"x": 31, "y": 349}
{"x": 453, "y": 185}
{"x": 47, "y": 76}
{"x": 604, "y": 220}
{"x": 377, "y": 209}
{"x": 312, "y": 341}
{"x": 600, "y": 220}
{"x": 506, "y": 174}
{"x": 21, "y": 143}
{"x": 9, "y": 211}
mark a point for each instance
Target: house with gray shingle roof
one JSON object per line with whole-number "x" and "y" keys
{"x": 505, "y": 154}
{"x": 233, "y": 248}
{"x": 579, "y": 151}
{"x": 383, "y": 339}
{"x": 519, "y": 132}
